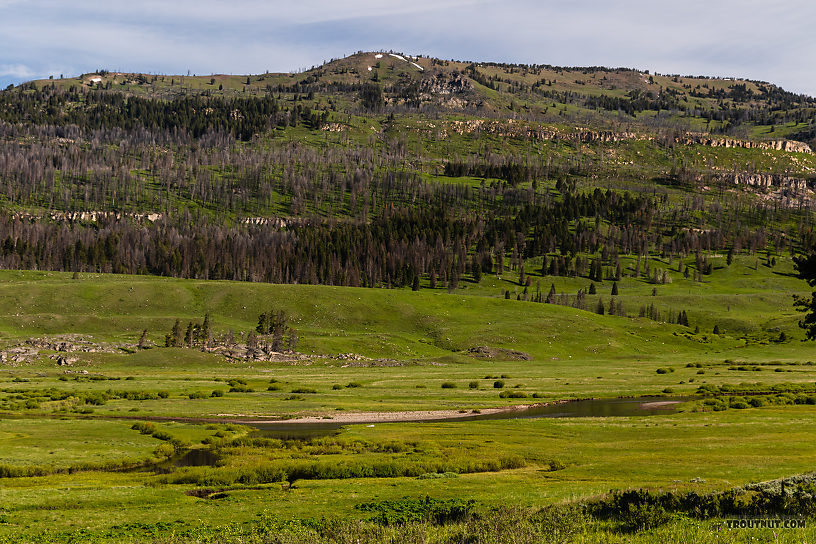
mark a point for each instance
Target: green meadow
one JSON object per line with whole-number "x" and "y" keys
{"x": 89, "y": 450}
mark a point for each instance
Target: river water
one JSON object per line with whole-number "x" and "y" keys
{"x": 621, "y": 407}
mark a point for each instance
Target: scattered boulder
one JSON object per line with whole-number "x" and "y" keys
{"x": 486, "y": 352}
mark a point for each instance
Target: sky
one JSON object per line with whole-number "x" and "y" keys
{"x": 763, "y": 40}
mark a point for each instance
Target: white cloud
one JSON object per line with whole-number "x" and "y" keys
{"x": 18, "y": 71}
{"x": 713, "y": 37}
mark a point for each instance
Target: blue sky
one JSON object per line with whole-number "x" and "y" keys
{"x": 763, "y": 40}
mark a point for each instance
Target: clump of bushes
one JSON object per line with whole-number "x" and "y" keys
{"x": 241, "y": 389}
{"x": 513, "y": 395}
{"x": 436, "y": 511}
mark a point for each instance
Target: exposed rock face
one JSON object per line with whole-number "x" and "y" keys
{"x": 715, "y": 141}
{"x": 91, "y": 216}
{"x": 66, "y": 361}
{"x": 442, "y": 84}
{"x": 765, "y": 180}
{"x": 505, "y": 129}
{"x": 605, "y": 136}
{"x": 515, "y": 129}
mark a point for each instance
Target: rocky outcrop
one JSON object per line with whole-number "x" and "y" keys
{"x": 515, "y": 129}
{"x": 89, "y": 217}
{"x": 263, "y": 353}
{"x": 764, "y": 180}
{"x": 445, "y": 85}
{"x": 708, "y": 140}
{"x": 589, "y": 136}
{"x": 64, "y": 345}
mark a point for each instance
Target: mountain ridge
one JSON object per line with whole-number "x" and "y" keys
{"x": 598, "y": 96}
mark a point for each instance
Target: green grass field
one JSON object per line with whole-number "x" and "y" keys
{"x": 72, "y": 459}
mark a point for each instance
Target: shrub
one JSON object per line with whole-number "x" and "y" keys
{"x": 498, "y": 384}
{"x": 513, "y": 395}
{"x": 448, "y": 385}
{"x": 436, "y": 511}
{"x": 354, "y": 384}
{"x": 144, "y": 427}
{"x": 241, "y": 389}
{"x": 473, "y": 385}
{"x": 217, "y": 393}
{"x": 305, "y": 390}
{"x": 643, "y": 517}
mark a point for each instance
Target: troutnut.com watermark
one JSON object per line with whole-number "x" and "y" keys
{"x": 765, "y": 523}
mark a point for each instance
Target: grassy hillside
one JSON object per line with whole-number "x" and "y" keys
{"x": 402, "y": 242}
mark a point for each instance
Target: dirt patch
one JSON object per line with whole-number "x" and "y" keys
{"x": 486, "y": 352}
{"x": 405, "y": 416}
{"x": 657, "y": 405}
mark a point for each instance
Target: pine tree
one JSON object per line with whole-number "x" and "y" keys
{"x": 277, "y": 338}
{"x": 143, "y": 340}
{"x": 176, "y": 336}
{"x": 615, "y": 289}
{"x": 252, "y": 344}
{"x": 292, "y": 341}
{"x": 206, "y": 333}
{"x": 263, "y": 324}
{"x": 476, "y": 270}
{"x": 600, "y": 308}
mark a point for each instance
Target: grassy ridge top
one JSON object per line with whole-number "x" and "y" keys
{"x": 612, "y": 98}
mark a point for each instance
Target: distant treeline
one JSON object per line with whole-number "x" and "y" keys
{"x": 393, "y": 249}
{"x": 196, "y": 115}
